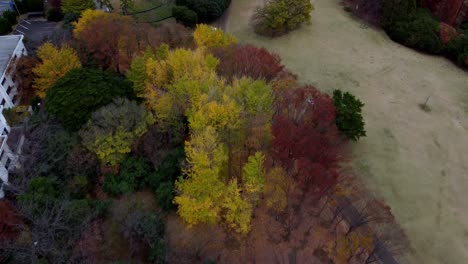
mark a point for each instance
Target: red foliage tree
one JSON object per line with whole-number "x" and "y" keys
{"x": 306, "y": 140}
{"x": 8, "y": 221}
{"x": 248, "y": 60}
{"x": 113, "y": 41}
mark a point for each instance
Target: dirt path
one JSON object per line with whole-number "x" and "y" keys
{"x": 416, "y": 159}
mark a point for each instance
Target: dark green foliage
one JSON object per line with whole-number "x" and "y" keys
{"x": 418, "y": 30}
{"x": 41, "y": 192}
{"x": 148, "y": 227}
{"x": 207, "y": 10}
{"x": 169, "y": 169}
{"x": 54, "y": 14}
{"x": 5, "y": 26}
{"x": 69, "y": 18}
{"x": 75, "y": 96}
{"x": 54, "y": 159}
{"x": 10, "y": 16}
{"x": 457, "y": 49}
{"x": 133, "y": 172}
{"x": 185, "y": 16}
{"x": 349, "y": 115}
{"x": 394, "y": 11}
{"x": 165, "y": 195}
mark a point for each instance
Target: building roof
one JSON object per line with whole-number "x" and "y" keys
{"x": 8, "y": 45}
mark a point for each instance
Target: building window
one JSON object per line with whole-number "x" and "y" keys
{"x": 3, "y": 81}
{"x": 3, "y": 102}
{"x": 9, "y": 89}
{"x": 5, "y": 132}
{"x": 1, "y": 155}
{"x": 7, "y": 163}
{"x": 14, "y": 99}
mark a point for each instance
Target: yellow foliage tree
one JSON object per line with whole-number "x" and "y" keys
{"x": 55, "y": 63}
{"x": 86, "y": 18}
{"x": 210, "y": 37}
{"x": 254, "y": 176}
{"x": 238, "y": 210}
{"x": 202, "y": 190}
{"x": 347, "y": 246}
{"x": 276, "y": 189}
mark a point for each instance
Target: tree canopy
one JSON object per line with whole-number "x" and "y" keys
{"x": 112, "y": 130}
{"x": 55, "y": 63}
{"x": 75, "y": 96}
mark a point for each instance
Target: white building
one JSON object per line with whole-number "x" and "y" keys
{"x": 11, "y": 48}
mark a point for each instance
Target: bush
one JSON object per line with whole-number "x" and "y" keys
{"x": 10, "y": 16}
{"x": 77, "y": 6}
{"x": 54, "y": 15}
{"x": 206, "y": 10}
{"x": 132, "y": 173}
{"x": 278, "y": 17}
{"x": 418, "y": 30}
{"x": 75, "y": 96}
{"x": 185, "y": 16}
{"x": 5, "y": 26}
{"x": 165, "y": 195}
{"x": 113, "y": 129}
{"x": 457, "y": 49}
{"x": 349, "y": 116}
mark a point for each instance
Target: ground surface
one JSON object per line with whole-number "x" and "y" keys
{"x": 417, "y": 160}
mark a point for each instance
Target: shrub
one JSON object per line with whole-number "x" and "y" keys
{"x": 113, "y": 129}
{"x": 206, "y": 10}
{"x": 54, "y": 15}
{"x": 75, "y": 96}
{"x": 133, "y": 173}
{"x": 349, "y": 116}
{"x": 418, "y": 30}
{"x": 185, "y": 16}
{"x": 5, "y": 26}
{"x": 278, "y": 17}
{"x": 210, "y": 37}
{"x": 249, "y": 61}
{"x": 10, "y": 16}
{"x": 165, "y": 195}
{"x": 457, "y": 49}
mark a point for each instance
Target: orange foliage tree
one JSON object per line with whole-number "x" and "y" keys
{"x": 113, "y": 40}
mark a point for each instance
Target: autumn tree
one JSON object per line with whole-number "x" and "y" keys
{"x": 55, "y": 63}
{"x": 112, "y": 130}
{"x": 254, "y": 176}
{"x": 79, "y": 93}
{"x": 201, "y": 192}
{"x": 24, "y": 75}
{"x": 120, "y": 39}
{"x": 245, "y": 60}
{"x": 305, "y": 138}
{"x": 210, "y": 37}
{"x": 278, "y": 17}
{"x": 9, "y": 221}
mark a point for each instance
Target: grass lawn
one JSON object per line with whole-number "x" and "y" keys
{"x": 416, "y": 159}
{"x": 152, "y": 15}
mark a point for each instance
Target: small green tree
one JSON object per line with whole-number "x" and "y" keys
{"x": 278, "y": 17}
{"x": 349, "y": 116}
{"x": 5, "y": 26}
{"x": 185, "y": 16}
{"x": 75, "y": 96}
{"x": 112, "y": 130}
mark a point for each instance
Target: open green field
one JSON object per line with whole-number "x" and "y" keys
{"x": 417, "y": 160}
{"x": 150, "y": 16}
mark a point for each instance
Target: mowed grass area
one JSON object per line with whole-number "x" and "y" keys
{"x": 416, "y": 160}
{"x": 152, "y": 16}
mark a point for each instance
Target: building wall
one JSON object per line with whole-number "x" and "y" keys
{"x": 9, "y": 86}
